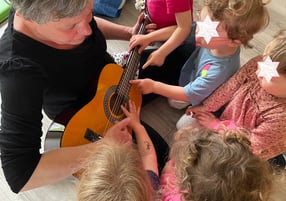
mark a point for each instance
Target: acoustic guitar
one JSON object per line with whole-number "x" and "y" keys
{"x": 92, "y": 121}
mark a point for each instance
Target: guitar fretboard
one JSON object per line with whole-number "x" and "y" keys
{"x": 131, "y": 66}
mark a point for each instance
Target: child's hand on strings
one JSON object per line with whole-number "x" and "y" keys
{"x": 133, "y": 114}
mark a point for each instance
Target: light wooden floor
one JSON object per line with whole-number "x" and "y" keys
{"x": 158, "y": 114}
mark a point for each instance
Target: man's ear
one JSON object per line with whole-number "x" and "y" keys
{"x": 235, "y": 43}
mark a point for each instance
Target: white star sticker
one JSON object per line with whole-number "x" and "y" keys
{"x": 207, "y": 29}
{"x": 268, "y": 69}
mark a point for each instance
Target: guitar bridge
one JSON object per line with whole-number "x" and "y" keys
{"x": 91, "y": 136}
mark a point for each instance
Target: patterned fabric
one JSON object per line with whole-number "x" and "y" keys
{"x": 249, "y": 106}
{"x": 216, "y": 125}
{"x": 120, "y": 58}
{"x": 170, "y": 189}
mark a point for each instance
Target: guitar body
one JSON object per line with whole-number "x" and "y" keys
{"x": 102, "y": 111}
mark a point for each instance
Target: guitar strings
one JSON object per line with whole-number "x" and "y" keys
{"x": 123, "y": 87}
{"x": 129, "y": 73}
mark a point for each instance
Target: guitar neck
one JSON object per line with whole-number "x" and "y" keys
{"x": 134, "y": 56}
{"x": 132, "y": 63}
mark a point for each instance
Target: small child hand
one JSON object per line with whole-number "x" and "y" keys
{"x": 139, "y": 40}
{"x": 194, "y": 109}
{"x": 144, "y": 85}
{"x": 155, "y": 59}
{"x": 206, "y": 119}
{"x": 133, "y": 114}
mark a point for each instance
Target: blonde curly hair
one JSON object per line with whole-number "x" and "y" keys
{"x": 115, "y": 173}
{"x": 219, "y": 167}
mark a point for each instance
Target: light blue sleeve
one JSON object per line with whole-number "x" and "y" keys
{"x": 188, "y": 69}
{"x": 210, "y": 76}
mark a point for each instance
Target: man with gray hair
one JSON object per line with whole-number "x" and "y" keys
{"x": 51, "y": 56}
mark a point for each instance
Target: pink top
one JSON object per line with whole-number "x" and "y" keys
{"x": 248, "y": 105}
{"x": 216, "y": 125}
{"x": 170, "y": 188}
{"x": 162, "y": 12}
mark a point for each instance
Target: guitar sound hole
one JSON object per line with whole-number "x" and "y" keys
{"x": 116, "y": 101}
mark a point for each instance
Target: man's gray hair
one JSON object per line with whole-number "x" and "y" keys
{"x": 43, "y": 11}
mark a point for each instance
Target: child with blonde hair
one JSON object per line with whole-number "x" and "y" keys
{"x": 122, "y": 171}
{"x": 216, "y": 167}
{"x": 115, "y": 173}
{"x": 253, "y": 98}
{"x": 214, "y": 61}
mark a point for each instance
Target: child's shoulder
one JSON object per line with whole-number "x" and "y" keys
{"x": 251, "y": 65}
{"x": 248, "y": 70}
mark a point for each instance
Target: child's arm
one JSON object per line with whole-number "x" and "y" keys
{"x": 210, "y": 121}
{"x": 144, "y": 40}
{"x": 183, "y": 29}
{"x": 147, "y": 86}
{"x": 112, "y": 30}
{"x": 145, "y": 145}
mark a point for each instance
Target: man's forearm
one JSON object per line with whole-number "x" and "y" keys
{"x": 112, "y": 31}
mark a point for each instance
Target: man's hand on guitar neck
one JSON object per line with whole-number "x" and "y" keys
{"x": 112, "y": 31}
{"x": 150, "y": 27}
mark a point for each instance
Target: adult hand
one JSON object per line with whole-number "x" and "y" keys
{"x": 119, "y": 132}
{"x": 148, "y": 28}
